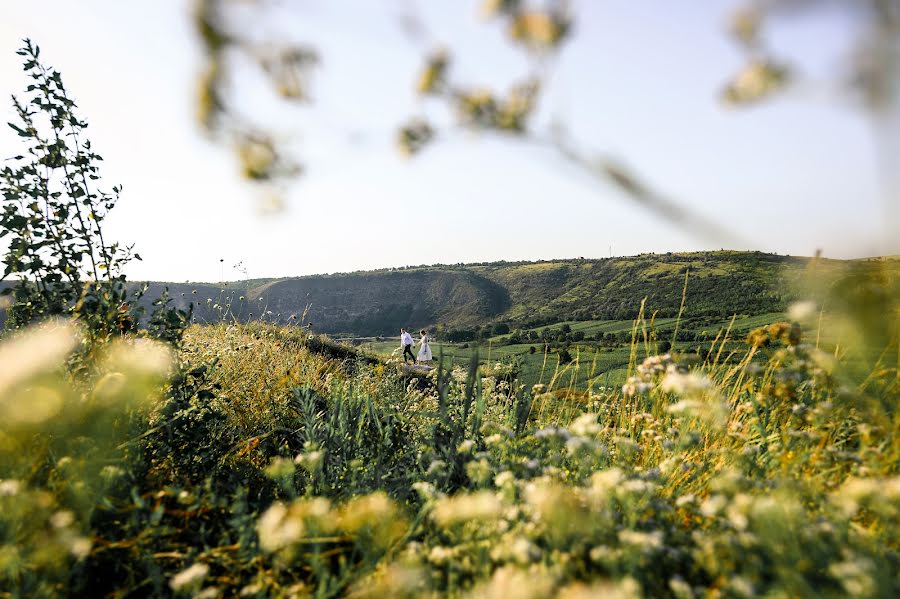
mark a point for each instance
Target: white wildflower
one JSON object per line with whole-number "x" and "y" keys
{"x": 712, "y": 505}
{"x": 855, "y": 576}
{"x": 494, "y": 439}
{"x": 62, "y": 519}
{"x": 311, "y": 460}
{"x": 466, "y": 446}
{"x": 605, "y": 481}
{"x": 189, "y": 578}
{"x": 690, "y": 384}
{"x": 481, "y": 505}
{"x": 504, "y": 478}
{"x": 802, "y": 311}
{"x": 585, "y": 425}
{"x": 280, "y": 468}
{"x": 38, "y": 350}
{"x": 9, "y": 487}
{"x": 278, "y": 528}
{"x": 436, "y": 467}
{"x": 80, "y": 547}
{"x": 680, "y": 588}
{"x": 645, "y": 541}
{"x": 208, "y": 593}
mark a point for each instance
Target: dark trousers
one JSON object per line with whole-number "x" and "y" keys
{"x": 407, "y": 349}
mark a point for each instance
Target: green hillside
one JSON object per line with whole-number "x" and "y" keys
{"x": 524, "y": 295}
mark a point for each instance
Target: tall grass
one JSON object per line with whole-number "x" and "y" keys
{"x": 265, "y": 461}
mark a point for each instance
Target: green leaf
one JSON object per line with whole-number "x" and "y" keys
{"x": 21, "y": 132}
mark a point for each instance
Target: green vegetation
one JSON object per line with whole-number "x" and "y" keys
{"x": 260, "y": 460}
{"x": 275, "y": 463}
{"x": 600, "y": 350}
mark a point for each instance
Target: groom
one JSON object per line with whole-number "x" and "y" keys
{"x": 406, "y": 341}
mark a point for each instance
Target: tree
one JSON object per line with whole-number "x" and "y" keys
{"x": 53, "y": 210}
{"x": 500, "y": 328}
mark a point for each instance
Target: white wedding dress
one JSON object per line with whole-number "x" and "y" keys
{"x": 424, "y": 350}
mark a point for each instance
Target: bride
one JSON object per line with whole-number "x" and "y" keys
{"x": 424, "y": 349}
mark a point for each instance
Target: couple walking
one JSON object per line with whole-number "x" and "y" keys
{"x": 406, "y": 341}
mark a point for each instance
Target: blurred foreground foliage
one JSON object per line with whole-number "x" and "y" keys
{"x": 235, "y": 35}
{"x": 263, "y": 461}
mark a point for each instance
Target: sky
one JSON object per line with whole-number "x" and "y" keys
{"x": 638, "y": 81}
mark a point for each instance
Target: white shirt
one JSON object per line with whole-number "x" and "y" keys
{"x": 406, "y": 339}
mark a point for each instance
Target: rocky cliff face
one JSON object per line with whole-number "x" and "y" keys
{"x": 380, "y": 303}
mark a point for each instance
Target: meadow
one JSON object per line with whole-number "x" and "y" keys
{"x": 143, "y": 454}
{"x": 593, "y": 363}
{"x": 259, "y": 460}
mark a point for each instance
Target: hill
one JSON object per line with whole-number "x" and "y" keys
{"x": 521, "y": 294}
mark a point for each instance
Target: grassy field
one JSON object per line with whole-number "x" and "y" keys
{"x": 593, "y": 364}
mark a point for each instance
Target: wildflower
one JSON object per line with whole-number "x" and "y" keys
{"x": 251, "y": 590}
{"x": 855, "y": 575}
{"x": 189, "y": 578}
{"x": 311, "y": 460}
{"x": 712, "y": 505}
{"x": 638, "y": 487}
{"x": 80, "y": 547}
{"x": 111, "y": 473}
{"x": 510, "y": 581}
{"x": 802, "y": 311}
{"x": 691, "y": 384}
{"x": 736, "y": 512}
{"x": 436, "y": 467}
{"x": 9, "y": 487}
{"x": 604, "y": 481}
{"x": 281, "y": 526}
{"x": 280, "y": 468}
{"x": 143, "y": 357}
{"x": 440, "y": 555}
{"x": 742, "y": 587}
{"x": 685, "y": 499}
{"x": 552, "y": 431}
{"x": 504, "y": 478}
{"x": 466, "y": 446}
{"x": 479, "y": 471}
{"x": 39, "y": 350}
{"x": 645, "y": 541}
{"x": 481, "y": 505}
{"x": 208, "y": 593}
{"x": 374, "y": 514}
{"x": 585, "y": 425}
{"x": 680, "y": 588}
{"x": 426, "y": 490}
{"x": 494, "y": 439}
{"x": 62, "y": 519}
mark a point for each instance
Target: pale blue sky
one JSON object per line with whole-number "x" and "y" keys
{"x": 638, "y": 81}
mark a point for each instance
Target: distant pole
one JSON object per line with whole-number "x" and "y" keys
{"x": 610, "y": 251}
{"x": 222, "y": 270}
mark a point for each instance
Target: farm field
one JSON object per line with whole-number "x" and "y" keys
{"x": 592, "y": 364}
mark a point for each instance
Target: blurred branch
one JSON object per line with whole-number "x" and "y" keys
{"x": 540, "y": 30}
